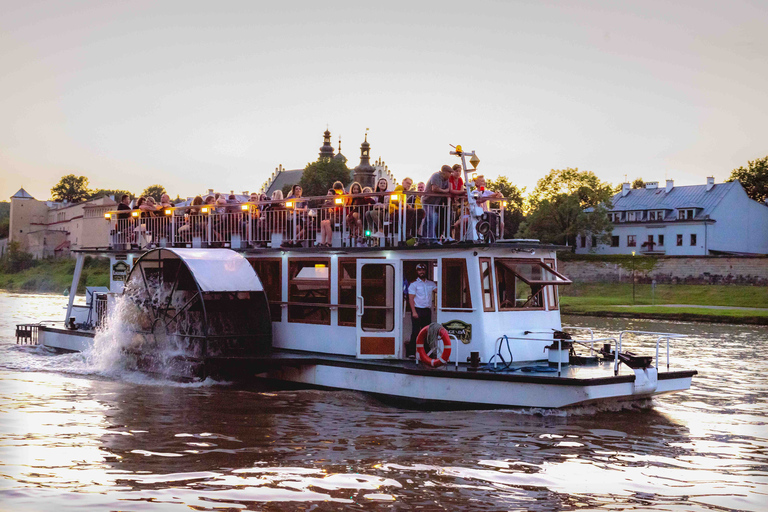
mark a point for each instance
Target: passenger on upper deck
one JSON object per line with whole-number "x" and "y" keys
{"x": 333, "y": 212}
{"x": 125, "y": 204}
{"x": 376, "y": 214}
{"x": 299, "y": 212}
{"x": 438, "y": 187}
{"x": 357, "y": 211}
{"x": 165, "y": 202}
{"x": 412, "y": 215}
{"x": 484, "y": 197}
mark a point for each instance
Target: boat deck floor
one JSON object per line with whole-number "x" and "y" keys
{"x": 530, "y": 371}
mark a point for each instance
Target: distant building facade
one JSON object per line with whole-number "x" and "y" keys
{"x": 694, "y": 220}
{"x": 364, "y": 173}
{"x": 48, "y": 228}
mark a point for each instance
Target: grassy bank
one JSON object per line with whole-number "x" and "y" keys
{"x": 55, "y": 275}
{"x": 605, "y": 299}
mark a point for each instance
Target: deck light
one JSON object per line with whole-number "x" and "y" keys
{"x": 107, "y": 215}
{"x": 393, "y": 198}
{"x": 319, "y": 265}
{"x": 168, "y": 211}
{"x": 458, "y": 148}
{"x": 339, "y": 200}
{"x": 134, "y": 214}
{"x": 474, "y": 161}
{"x": 204, "y": 209}
{"x": 367, "y": 232}
{"x": 289, "y": 204}
{"x": 244, "y": 207}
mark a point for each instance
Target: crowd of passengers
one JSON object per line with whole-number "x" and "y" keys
{"x": 363, "y": 210}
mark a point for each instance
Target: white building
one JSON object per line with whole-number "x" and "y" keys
{"x": 693, "y": 220}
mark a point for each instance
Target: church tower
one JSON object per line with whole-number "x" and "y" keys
{"x": 364, "y": 173}
{"x": 326, "y": 150}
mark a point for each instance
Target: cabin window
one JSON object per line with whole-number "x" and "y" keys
{"x": 309, "y": 291}
{"x": 520, "y": 283}
{"x": 486, "y": 281}
{"x": 455, "y": 285}
{"x": 347, "y": 291}
{"x": 270, "y": 275}
{"x": 552, "y": 291}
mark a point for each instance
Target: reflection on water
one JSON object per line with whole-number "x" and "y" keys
{"x": 73, "y": 437}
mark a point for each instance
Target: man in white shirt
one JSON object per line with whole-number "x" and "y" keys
{"x": 483, "y": 197}
{"x": 420, "y": 293}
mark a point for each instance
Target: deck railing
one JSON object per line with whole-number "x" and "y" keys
{"x": 393, "y": 220}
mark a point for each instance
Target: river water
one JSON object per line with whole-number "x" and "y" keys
{"x": 77, "y": 436}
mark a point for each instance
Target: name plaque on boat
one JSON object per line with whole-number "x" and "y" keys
{"x": 462, "y": 330}
{"x": 120, "y": 271}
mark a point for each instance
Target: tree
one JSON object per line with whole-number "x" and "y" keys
{"x": 567, "y": 203}
{"x": 513, "y": 214}
{"x": 71, "y": 188}
{"x": 102, "y": 192}
{"x": 754, "y": 178}
{"x": 638, "y": 183}
{"x": 154, "y": 191}
{"x": 319, "y": 176}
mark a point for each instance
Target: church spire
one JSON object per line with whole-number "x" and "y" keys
{"x": 326, "y": 150}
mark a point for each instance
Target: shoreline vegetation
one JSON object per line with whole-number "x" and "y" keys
{"x": 55, "y": 276}
{"x": 733, "y": 304}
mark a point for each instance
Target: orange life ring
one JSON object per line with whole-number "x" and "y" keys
{"x": 443, "y": 358}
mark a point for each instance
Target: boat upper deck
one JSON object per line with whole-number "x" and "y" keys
{"x": 348, "y": 221}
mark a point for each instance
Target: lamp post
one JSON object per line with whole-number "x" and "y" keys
{"x": 633, "y": 277}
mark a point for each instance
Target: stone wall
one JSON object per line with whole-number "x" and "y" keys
{"x": 675, "y": 269}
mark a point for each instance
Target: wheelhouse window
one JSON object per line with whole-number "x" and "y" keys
{"x": 455, "y": 285}
{"x": 486, "y": 281}
{"x": 552, "y": 291}
{"x": 520, "y": 284}
{"x": 309, "y": 291}
{"x": 270, "y": 275}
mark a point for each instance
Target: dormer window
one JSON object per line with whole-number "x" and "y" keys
{"x": 686, "y": 213}
{"x": 656, "y": 215}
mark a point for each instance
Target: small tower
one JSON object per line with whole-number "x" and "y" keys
{"x": 339, "y": 156}
{"x": 326, "y": 150}
{"x": 364, "y": 173}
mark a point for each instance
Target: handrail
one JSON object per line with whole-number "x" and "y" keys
{"x": 254, "y": 223}
{"x": 661, "y": 335}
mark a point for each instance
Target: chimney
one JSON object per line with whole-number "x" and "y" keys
{"x": 625, "y": 188}
{"x": 710, "y": 182}
{"x": 670, "y": 186}
{"x": 651, "y": 184}
{"x": 210, "y": 191}
{"x": 245, "y": 193}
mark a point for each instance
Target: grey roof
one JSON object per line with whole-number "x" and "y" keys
{"x": 690, "y": 196}
{"x": 291, "y": 177}
{"x": 22, "y": 194}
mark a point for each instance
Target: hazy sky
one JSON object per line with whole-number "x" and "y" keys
{"x": 198, "y": 95}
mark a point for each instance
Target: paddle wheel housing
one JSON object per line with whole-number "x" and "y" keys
{"x": 190, "y": 304}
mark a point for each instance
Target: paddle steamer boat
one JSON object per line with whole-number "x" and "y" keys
{"x": 242, "y": 292}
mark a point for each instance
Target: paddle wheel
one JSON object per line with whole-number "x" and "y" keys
{"x": 188, "y": 306}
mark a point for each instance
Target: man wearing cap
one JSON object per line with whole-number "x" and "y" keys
{"x": 420, "y": 298}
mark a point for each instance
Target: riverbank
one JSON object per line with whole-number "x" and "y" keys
{"x": 732, "y": 304}
{"x": 55, "y": 275}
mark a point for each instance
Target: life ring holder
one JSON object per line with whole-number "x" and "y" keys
{"x": 444, "y": 356}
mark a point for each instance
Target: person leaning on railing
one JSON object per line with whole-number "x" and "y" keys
{"x": 376, "y": 214}
{"x": 299, "y": 213}
{"x": 413, "y": 216}
{"x": 357, "y": 208}
{"x": 332, "y": 213}
{"x": 438, "y": 187}
{"x": 194, "y": 222}
{"x": 483, "y": 198}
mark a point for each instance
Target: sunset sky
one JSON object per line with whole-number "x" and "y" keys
{"x": 197, "y": 95}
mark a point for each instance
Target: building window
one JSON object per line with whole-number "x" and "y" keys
{"x": 455, "y": 285}
{"x": 631, "y": 241}
{"x": 651, "y": 215}
{"x": 660, "y": 215}
{"x": 693, "y": 239}
{"x": 486, "y": 281}
{"x": 679, "y": 240}
{"x": 594, "y": 241}
{"x": 661, "y": 240}
{"x": 614, "y": 241}
{"x": 630, "y": 217}
{"x": 268, "y": 270}
{"x": 583, "y": 241}
{"x": 309, "y": 291}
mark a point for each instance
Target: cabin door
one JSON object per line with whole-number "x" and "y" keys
{"x": 379, "y": 300}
